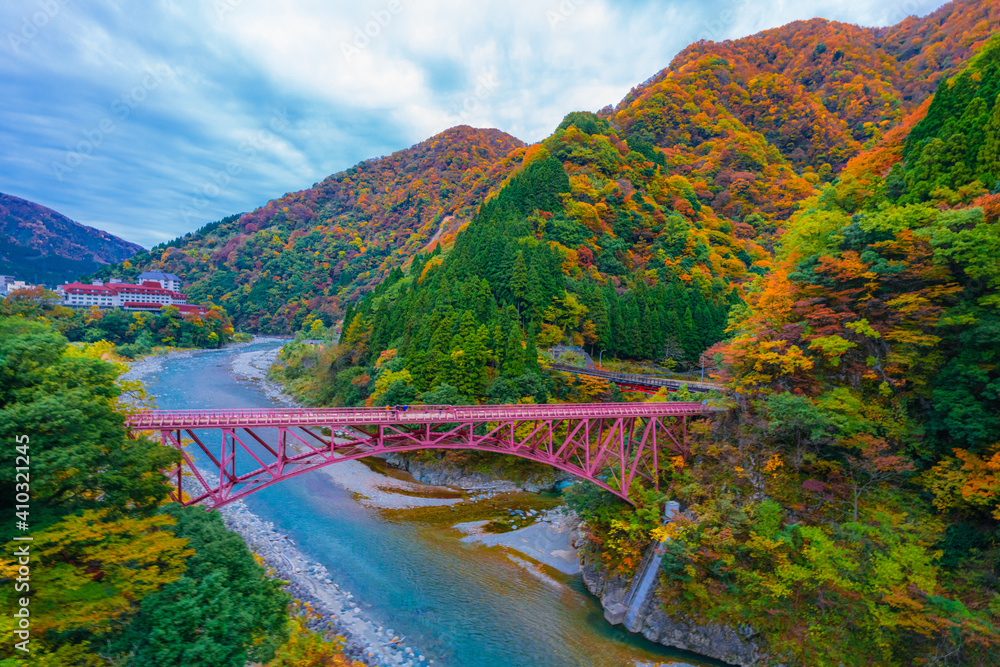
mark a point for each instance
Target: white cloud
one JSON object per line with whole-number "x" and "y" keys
{"x": 229, "y": 65}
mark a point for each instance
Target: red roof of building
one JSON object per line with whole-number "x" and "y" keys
{"x": 126, "y": 288}
{"x": 120, "y": 288}
{"x": 182, "y": 307}
{"x": 76, "y": 288}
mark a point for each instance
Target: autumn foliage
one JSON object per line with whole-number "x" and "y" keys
{"x": 317, "y": 250}
{"x": 847, "y": 506}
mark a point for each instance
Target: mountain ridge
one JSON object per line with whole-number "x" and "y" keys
{"x": 38, "y": 241}
{"x": 310, "y": 252}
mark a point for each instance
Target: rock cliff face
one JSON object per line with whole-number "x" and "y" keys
{"x": 437, "y": 473}
{"x": 715, "y": 641}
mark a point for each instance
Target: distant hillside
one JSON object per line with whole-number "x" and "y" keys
{"x": 316, "y": 250}
{"x": 38, "y": 244}
{"x": 742, "y": 118}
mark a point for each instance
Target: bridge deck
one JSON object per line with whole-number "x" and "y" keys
{"x": 415, "y": 414}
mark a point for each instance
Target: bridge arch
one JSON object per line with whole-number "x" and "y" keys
{"x": 259, "y": 448}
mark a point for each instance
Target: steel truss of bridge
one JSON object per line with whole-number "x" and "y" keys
{"x": 233, "y": 453}
{"x": 634, "y": 381}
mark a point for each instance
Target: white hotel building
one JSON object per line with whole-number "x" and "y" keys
{"x": 148, "y": 295}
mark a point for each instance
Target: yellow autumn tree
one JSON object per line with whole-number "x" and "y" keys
{"x": 91, "y": 569}
{"x": 968, "y": 481}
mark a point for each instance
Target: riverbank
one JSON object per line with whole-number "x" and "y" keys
{"x": 253, "y": 367}
{"x": 151, "y": 364}
{"x": 729, "y": 645}
{"x": 552, "y": 539}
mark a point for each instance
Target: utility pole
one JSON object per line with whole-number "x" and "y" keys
{"x": 702, "y": 366}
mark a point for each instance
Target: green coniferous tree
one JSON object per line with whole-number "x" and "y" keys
{"x": 672, "y": 325}
{"x": 467, "y": 326}
{"x": 497, "y": 345}
{"x": 689, "y": 337}
{"x": 417, "y": 365}
{"x": 519, "y": 279}
{"x": 632, "y": 332}
{"x": 531, "y": 351}
{"x": 989, "y": 153}
{"x": 535, "y": 294}
{"x": 439, "y": 353}
{"x": 513, "y": 358}
{"x": 618, "y": 344}
{"x": 484, "y": 305}
{"x": 646, "y": 324}
{"x": 597, "y": 312}
{"x": 463, "y": 369}
{"x": 473, "y": 362}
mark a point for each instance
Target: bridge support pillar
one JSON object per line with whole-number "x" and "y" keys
{"x": 615, "y": 613}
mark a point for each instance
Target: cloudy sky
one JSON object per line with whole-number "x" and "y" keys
{"x": 150, "y": 118}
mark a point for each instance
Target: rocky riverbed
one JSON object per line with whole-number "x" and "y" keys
{"x": 551, "y": 538}
{"x": 439, "y": 473}
{"x": 311, "y": 583}
{"x": 253, "y": 367}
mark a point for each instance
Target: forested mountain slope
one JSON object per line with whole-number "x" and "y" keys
{"x": 635, "y": 230}
{"x": 741, "y": 118}
{"x": 847, "y": 506}
{"x": 591, "y": 242}
{"x": 37, "y": 243}
{"x": 313, "y": 251}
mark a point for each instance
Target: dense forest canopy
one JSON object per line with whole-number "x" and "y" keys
{"x": 118, "y": 575}
{"x": 308, "y": 254}
{"x": 848, "y": 504}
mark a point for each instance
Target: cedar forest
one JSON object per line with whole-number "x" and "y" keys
{"x": 814, "y": 209}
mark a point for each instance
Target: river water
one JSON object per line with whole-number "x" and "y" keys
{"x": 461, "y": 605}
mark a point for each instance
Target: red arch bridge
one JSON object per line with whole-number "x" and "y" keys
{"x": 232, "y": 453}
